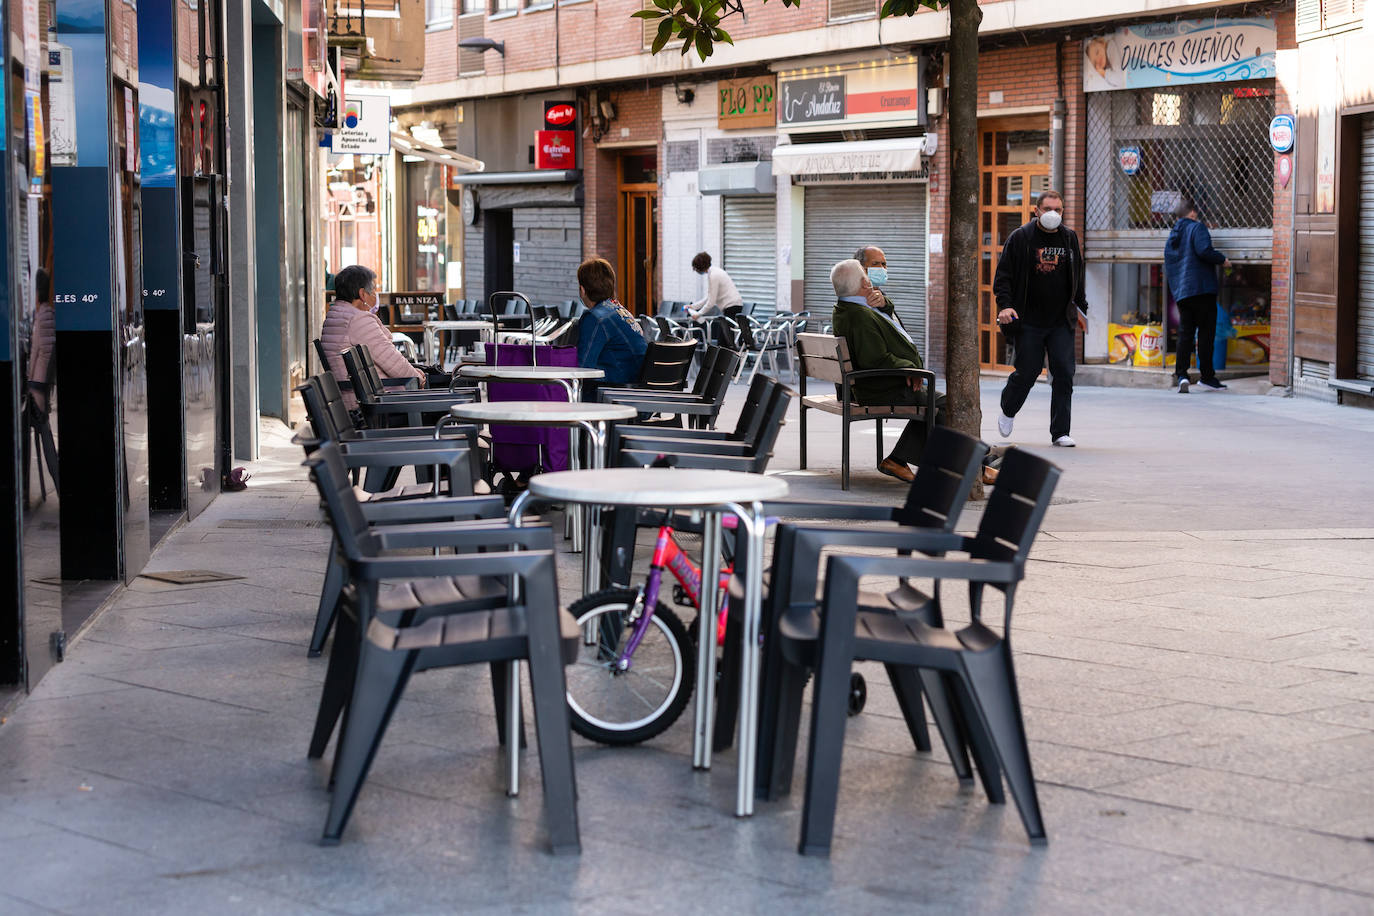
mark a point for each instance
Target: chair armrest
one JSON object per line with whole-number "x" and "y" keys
{"x": 426, "y": 451}
{"x": 448, "y": 508}
{"x": 402, "y": 382}
{"x": 897, "y": 373}
{"x": 495, "y": 533}
{"x": 411, "y": 432}
{"x": 642, "y": 459}
{"x": 997, "y": 572}
{"x": 684, "y": 446}
{"x": 511, "y": 562}
{"x": 630, "y": 430}
{"x": 788, "y": 508}
{"x": 411, "y": 443}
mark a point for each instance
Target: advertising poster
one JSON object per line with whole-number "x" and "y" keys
{"x": 1178, "y": 53}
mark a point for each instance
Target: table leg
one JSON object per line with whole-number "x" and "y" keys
{"x": 515, "y": 517}
{"x": 751, "y": 659}
{"x": 706, "y": 641}
{"x": 591, "y": 515}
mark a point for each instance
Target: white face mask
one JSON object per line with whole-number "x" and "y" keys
{"x": 1050, "y": 220}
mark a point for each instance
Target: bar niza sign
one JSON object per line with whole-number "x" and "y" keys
{"x": 1179, "y": 53}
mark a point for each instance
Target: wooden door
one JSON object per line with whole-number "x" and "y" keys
{"x": 1013, "y": 172}
{"x": 638, "y": 232}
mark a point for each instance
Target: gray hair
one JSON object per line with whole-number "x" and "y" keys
{"x": 847, "y": 277}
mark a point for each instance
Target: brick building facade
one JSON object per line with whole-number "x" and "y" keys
{"x": 632, "y": 121}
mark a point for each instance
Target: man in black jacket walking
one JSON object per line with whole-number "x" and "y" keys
{"x": 1039, "y": 292}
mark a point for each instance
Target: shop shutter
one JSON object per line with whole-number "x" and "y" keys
{"x": 892, "y": 216}
{"x": 1364, "y": 313}
{"x": 751, "y": 247}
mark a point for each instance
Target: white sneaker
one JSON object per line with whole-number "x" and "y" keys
{"x": 1183, "y": 386}
{"x": 1004, "y": 423}
{"x": 1065, "y": 442}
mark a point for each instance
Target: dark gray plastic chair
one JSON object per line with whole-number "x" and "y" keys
{"x": 975, "y": 660}
{"x": 934, "y": 502}
{"x": 440, "y": 611}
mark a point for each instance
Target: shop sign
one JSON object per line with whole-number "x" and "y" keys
{"x": 1129, "y": 157}
{"x": 365, "y": 127}
{"x": 413, "y": 308}
{"x": 555, "y": 149}
{"x": 854, "y": 94}
{"x": 1281, "y": 133}
{"x": 746, "y": 103}
{"x": 1178, "y": 53}
{"x": 559, "y": 115}
{"x": 809, "y": 100}
{"x": 1284, "y": 168}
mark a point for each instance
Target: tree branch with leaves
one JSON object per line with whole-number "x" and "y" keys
{"x": 697, "y": 24}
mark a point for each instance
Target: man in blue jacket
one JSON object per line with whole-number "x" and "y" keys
{"x": 1190, "y": 267}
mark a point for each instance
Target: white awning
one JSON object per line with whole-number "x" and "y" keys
{"x": 409, "y": 146}
{"x": 898, "y": 154}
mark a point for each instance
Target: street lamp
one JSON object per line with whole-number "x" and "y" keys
{"x": 481, "y": 45}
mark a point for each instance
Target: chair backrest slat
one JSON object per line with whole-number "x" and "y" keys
{"x": 350, "y": 525}
{"x": 666, "y": 364}
{"x": 755, "y": 403}
{"x": 774, "y": 417}
{"x": 823, "y": 356}
{"x": 1017, "y": 506}
{"x": 950, "y": 463}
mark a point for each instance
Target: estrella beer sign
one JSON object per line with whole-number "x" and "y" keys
{"x": 559, "y": 115}
{"x": 555, "y": 149}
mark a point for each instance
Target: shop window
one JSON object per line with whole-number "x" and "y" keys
{"x": 1148, "y": 147}
{"x": 504, "y": 6}
{"x": 1143, "y": 331}
{"x": 427, "y": 229}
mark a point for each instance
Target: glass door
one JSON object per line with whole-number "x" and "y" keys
{"x": 1013, "y": 172}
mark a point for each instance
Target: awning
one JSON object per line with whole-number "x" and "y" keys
{"x": 409, "y": 146}
{"x": 534, "y": 176}
{"x": 898, "y": 154}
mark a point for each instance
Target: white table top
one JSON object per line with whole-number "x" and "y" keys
{"x": 657, "y": 487}
{"x": 535, "y": 413}
{"x": 532, "y": 373}
{"x": 462, "y": 324}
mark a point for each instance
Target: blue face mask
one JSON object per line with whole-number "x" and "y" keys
{"x": 877, "y": 275}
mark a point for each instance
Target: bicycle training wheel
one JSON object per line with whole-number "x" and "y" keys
{"x": 626, "y": 707}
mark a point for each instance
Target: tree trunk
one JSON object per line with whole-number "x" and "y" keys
{"x": 964, "y": 407}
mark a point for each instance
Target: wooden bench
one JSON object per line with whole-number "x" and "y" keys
{"x": 824, "y": 357}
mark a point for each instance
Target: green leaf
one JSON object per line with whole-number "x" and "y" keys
{"x": 665, "y": 5}
{"x": 647, "y": 14}
{"x": 703, "y": 45}
{"x": 722, "y": 35}
{"x": 687, "y": 42}
{"x": 691, "y": 7}
{"x": 665, "y": 31}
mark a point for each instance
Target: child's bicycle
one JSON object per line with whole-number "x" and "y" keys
{"x": 637, "y": 663}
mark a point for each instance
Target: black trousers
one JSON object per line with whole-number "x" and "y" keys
{"x": 1196, "y": 315}
{"x": 1033, "y": 345}
{"x": 912, "y": 442}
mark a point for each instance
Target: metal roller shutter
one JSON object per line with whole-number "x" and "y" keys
{"x": 751, "y": 246}
{"x": 893, "y": 217}
{"x": 1364, "y": 313}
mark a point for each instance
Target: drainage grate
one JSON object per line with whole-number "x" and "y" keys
{"x": 189, "y": 576}
{"x": 271, "y": 523}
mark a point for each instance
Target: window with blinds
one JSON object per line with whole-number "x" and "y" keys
{"x": 1314, "y": 17}
{"x": 852, "y": 9}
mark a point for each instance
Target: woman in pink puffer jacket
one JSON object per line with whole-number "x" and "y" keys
{"x": 352, "y": 319}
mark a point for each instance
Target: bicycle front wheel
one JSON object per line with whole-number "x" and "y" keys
{"x": 626, "y": 707}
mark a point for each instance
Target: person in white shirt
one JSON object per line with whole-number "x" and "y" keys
{"x": 720, "y": 290}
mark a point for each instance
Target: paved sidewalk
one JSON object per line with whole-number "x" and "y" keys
{"x": 1195, "y": 646}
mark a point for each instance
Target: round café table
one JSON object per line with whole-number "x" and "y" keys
{"x": 592, "y": 419}
{"x": 711, "y": 492}
{"x": 570, "y": 377}
{"x": 432, "y": 329}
